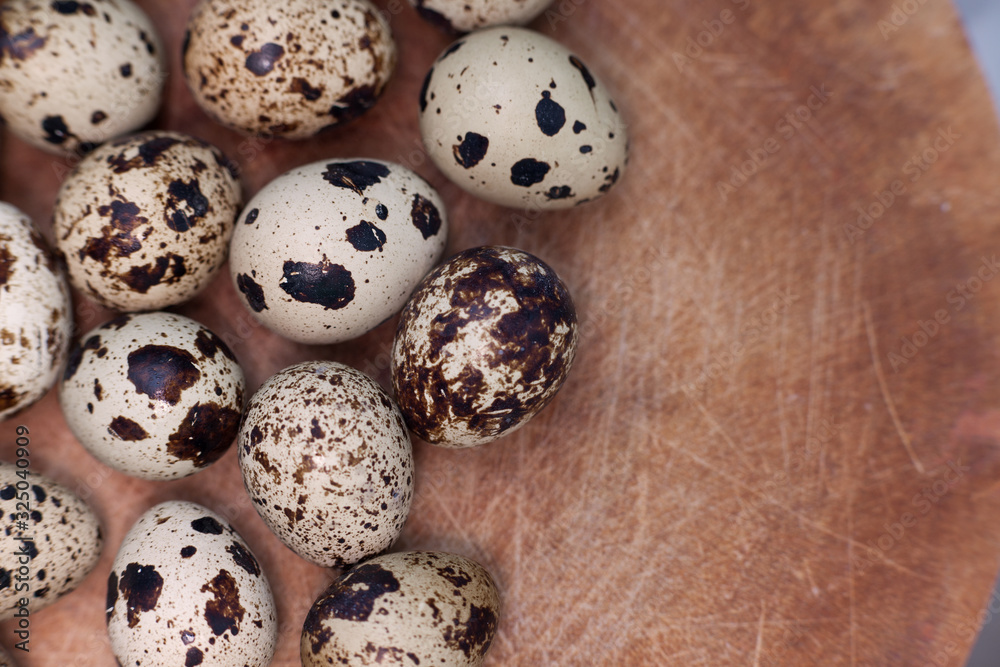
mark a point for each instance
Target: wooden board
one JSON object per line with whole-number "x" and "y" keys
{"x": 740, "y": 470}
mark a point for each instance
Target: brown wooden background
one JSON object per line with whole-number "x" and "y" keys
{"x": 678, "y": 505}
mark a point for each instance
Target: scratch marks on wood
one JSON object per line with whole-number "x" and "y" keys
{"x": 884, "y": 387}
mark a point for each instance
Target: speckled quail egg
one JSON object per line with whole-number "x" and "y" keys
{"x": 484, "y": 344}
{"x": 145, "y": 221}
{"x": 326, "y": 459}
{"x": 330, "y": 250}
{"x": 52, "y": 540}
{"x": 407, "y": 608}
{"x": 290, "y": 68}
{"x": 36, "y": 320}
{"x": 185, "y": 589}
{"x": 75, "y": 74}
{"x": 466, "y": 15}
{"x": 155, "y": 395}
{"x": 514, "y": 118}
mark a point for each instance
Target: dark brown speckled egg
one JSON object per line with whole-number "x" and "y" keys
{"x": 483, "y": 345}
{"x": 326, "y": 459}
{"x": 407, "y": 608}
{"x": 515, "y": 118}
{"x": 289, "y": 68}
{"x": 157, "y": 396}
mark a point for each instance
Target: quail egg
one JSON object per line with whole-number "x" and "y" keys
{"x": 185, "y": 589}
{"x": 466, "y": 15}
{"x": 515, "y": 118}
{"x": 75, "y": 74}
{"x": 287, "y": 69}
{"x": 145, "y": 221}
{"x": 52, "y": 541}
{"x": 326, "y": 459}
{"x": 330, "y": 250}
{"x": 484, "y": 344}
{"x": 36, "y": 320}
{"x": 408, "y": 608}
{"x": 154, "y": 395}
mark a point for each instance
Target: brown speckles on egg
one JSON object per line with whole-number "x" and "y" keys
{"x": 163, "y": 411}
{"x": 66, "y": 546}
{"x": 145, "y": 221}
{"x": 483, "y": 345}
{"x": 334, "y": 463}
{"x": 467, "y": 15}
{"x": 112, "y": 60}
{"x": 289, "y": 73}
{"x": 541, "y": 88}
{"x": 35, "y": 315}
{"x": 406, "y": 605}
{"x": 344, "y": 245}
{"x": 192, "y": 588}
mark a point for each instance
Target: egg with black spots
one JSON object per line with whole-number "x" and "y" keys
{"x": 75, "y": 74}
{"x": 36, "y": 317}
{"x": 467, "y": 15}
{"x": 326, "y": 459}
{"x": 287, "y": 69}
{"x": 330, "y": 250}
{"x": 404, "y": 608}
{"x": 145, "y": 221}
{"x": 52, "y": 540}
{"x": 154, "y": 395}
{"x": 484, "y": 344}
{"x": 186, "y": 589}
{"x": 513, "y": 117}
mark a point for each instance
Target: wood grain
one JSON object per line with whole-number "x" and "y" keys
{"x": 737, "y": 471}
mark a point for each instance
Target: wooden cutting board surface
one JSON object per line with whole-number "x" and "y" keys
{"x": 748, "y": 464}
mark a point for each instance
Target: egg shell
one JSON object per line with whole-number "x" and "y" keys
{"x": 36, "y": 318}
{"x": 330, "y": 250}
{"x": 76, "y": 74}
{"x": 483, "y": 345}
{"x": 326, "y": 459}
{"x": 515, "y": 118}
{"x": 466, "y": 15}
{"x": 185, "y": 589}
{"x": 154, "y": 395}
{"x": 57, "y": 550}
{"x": 145, "y": 221}
{"x": 287, "y": 69}
{"x": 406, "y": 608}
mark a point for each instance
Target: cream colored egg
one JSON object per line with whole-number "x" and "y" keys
{"x": 154, "y": 395}
{"x": 326, "y": 459}
{"x": 36, "y": 319}
{"x": 484, "y": 344}
{"x": 515, "y": 118}
{"x": 52, "y": 539}
{"x": 288, "y": 68}
{"x": 75, "y": 74}
{"x": 145, "y": 221}
{"x": 185, "y": 589}
{"x": 466, "y": 15}
{"x": 330, "y": 250}
{"x": 408, "y": 608}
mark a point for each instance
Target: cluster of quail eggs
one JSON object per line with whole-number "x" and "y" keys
{"x": 322, "y": 254}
